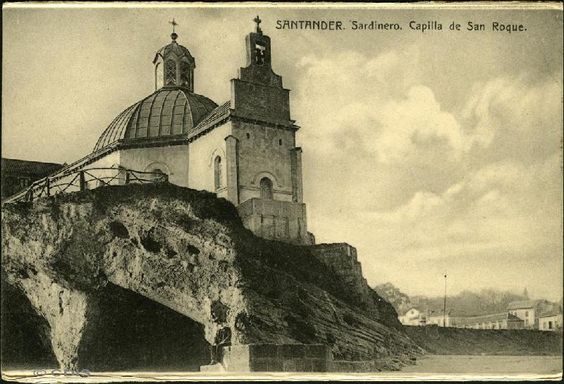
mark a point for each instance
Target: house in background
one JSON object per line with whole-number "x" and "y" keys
{"x": 413, "y": 316}
{"x": 503, "y": 320}
{"x": 550, "y": 320}
{"x": 19, "y": 174}
{"x": 529, "y": 311}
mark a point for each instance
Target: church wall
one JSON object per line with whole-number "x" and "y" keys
{"x": 172, "y": 160}
{"x": 203, "y": 151}
{"x": 262, "y": 155}
{"x": 112, "y": 160}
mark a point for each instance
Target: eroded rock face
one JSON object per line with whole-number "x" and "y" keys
{"x": 188, "y": 251}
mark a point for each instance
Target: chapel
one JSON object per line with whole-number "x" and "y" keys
{"x": 244, "y": 149}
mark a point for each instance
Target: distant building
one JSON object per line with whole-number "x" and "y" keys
{"x": 550, "y": 321}
{"x": 19, "y": 174}
{"x": 525, "y": 310}
{"x": 501, "y": 320}
{"x": 439, "y": 319}
{"x": 529, "y": 310}
{"x": 413, "y": 316}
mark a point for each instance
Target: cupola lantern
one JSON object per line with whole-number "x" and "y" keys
{"x": 174, "y": 65}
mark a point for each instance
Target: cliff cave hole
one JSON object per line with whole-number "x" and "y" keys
{"x": 26, "y": 343}
{"x": 170, "y": 253}
{"x": 149, "y": 243}
{"x": 119, "y": 230}
{"x": 219, "y": 311}
{"x": 192, "y": 250}
{"x": 132, "y": 332}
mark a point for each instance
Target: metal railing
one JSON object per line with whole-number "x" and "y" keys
{"x": 83, "y": 179}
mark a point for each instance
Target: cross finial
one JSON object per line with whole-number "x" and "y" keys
{"x": 174, "y": 24}
{"x": 257, "y": 20}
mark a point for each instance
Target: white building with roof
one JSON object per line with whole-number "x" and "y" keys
{"x": 550, "y": 320}
{"x": 413, "y": 316}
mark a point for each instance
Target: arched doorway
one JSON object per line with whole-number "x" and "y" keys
{"x": 266, "y": 188}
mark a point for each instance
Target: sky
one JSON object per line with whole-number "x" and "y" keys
{"x": 431, "y": 153}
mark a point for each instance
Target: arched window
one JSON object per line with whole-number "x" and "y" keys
{"x": 170, "y": 72}
{"x": 217, "y": 172}
{"x": 266, "y": 188}
{"x": 159, "y": 76}
{"x": 185, "y": 75}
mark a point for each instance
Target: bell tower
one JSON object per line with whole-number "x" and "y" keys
{"x": 258, "y": 47}
{"x": 258, "y": 93}
{"x": 266, "y": 184}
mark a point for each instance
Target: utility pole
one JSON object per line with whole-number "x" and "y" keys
{"x": 444, "y": 303}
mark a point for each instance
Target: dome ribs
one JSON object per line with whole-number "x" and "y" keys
{"x": 147, "y": 118}
{"x": 114, "y": 130}
{"x": 172, "y": 113}
{"x": 186, "y": 114}
{"x": 179, "y": 111}
{"x": 134, "y": 123}
{"x": 147, "y": 131}
{"x": 161, "y": 113}
{"x": 120, "y": 127}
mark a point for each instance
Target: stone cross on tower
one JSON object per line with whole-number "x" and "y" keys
{"x": 174, "y": 24}
{"x": 258, "y": 21}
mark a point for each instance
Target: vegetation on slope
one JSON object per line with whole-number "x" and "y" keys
{"x": 460, "y": 341}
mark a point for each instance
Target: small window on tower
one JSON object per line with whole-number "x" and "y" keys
{"x": 170, "y": 72}
{"x": 279, "y": 141}
{"x": 185, "y": 74}
{"x": 248, "y": 135}
{"x": 260, "y": 51}
{"x": 266, "y": 188}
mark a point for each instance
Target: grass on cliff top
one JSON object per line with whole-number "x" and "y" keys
{"x": 205, "y": 204}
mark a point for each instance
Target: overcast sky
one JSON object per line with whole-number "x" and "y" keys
{"x": 430, "y": 152}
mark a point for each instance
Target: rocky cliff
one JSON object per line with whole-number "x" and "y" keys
{"x": 187, "y": 251}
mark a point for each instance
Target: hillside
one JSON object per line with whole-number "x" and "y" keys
{"x": 466, "y": 303}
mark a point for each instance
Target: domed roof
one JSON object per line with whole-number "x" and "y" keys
{"x": 167, "y": 112}
{"x": 174, "y": 47}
